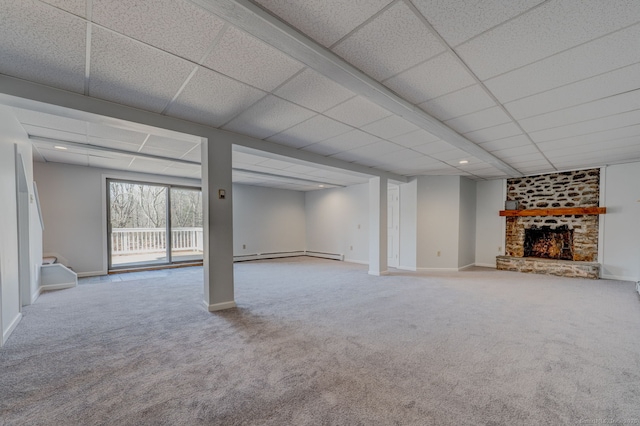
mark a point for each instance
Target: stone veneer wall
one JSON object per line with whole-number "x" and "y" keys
{"x": 566, "y": 189}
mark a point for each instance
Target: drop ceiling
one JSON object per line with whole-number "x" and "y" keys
{"x": 524, "y": 86}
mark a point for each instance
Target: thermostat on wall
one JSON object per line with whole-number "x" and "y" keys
{"x": 510, "y": 205}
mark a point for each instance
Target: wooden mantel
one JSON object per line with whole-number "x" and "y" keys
{"x": 565, "y": 211}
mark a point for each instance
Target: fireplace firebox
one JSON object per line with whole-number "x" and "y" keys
{"x": 549, "y": 243}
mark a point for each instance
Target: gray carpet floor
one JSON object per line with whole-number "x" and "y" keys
{"x": 318, "y": 342}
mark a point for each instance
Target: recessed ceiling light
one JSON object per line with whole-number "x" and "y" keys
{"x": 464, "y": 161}
{"x": 63, "y": 148}
{"x": 321, "y": 186}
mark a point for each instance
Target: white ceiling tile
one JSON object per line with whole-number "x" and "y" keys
{"x": 551, "y": 28}
{"x": 486, "y": 118}
{"x": 109, "y": 163}
{"x": 584, "y": 128}
{"x": 357, "y": 112}
{"x": 392, "y": 42}
{"x": 268, "y": 117}
{"x": 432, "y": 147}
{"x": 146, "y": 165}
{"x": 516, "y": 152}
{"x": 611, "y": 83}
{"x": 213, "y": 99}
{"x": 596, "y": 137}
{"x": 505, "y": 143}
{"x": 311, "y": 131}
{"x": 460, "y": 102}
{"x": 109, "y": 143}
{"x": 127, "y": 72}
{"x": 436, "y": 77}
{"x": 193, "y": 155}
{"x": 419, "y": 137}
{"x": 43, "y": 44}
{"x": 170, "y": 144}
{"x": 369, "y": 154}
{"x": 245, "y": 58}
{"x": 56, "y": 156}
{"x": 628, "y": 153}
{"x": 302, "y": 169}
{"x": 314, "y": 91}
{"x": 77, "y": 7}
{"x": 604, "y": 149}
{"x": 50, "y": 121}
{"x": 493, "y": 133}
{"x": 165, "y": 153}
{"x": 43, "y": 132}
{"x": 587, "y": 111}
{"x": 347, "y": 141}
{"x": 275, "y": 164}
{"x": 244, "y": 158}
{"x": 451, "y": 156}
{"x": 389, "y": 127}
{"x": 115, "y": 133}
{"x": 459, "y": 20}
{"x": 179, "y": 27}
{"x": 599, "y": 56}
{"x": 397, "y": 158}
{"x": 325, "y": 21}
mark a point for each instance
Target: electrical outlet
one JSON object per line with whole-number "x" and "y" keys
{"x": 244, "y": 246}
{"x": 499, "y": 249}
{"x": 438, "y": 253}
{"x": 350, "y": 247}
{"x": 358, "y": 226}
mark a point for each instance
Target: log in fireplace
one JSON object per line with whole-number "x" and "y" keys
{"x": 549, "y": 243}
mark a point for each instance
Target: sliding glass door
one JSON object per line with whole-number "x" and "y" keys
{"x": 186, "y": 224}
{"x": 151, "y": 224}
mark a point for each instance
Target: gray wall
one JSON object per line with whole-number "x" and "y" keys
{"x": 338, "y": 222}
{"x": 490, "y": 227}
{"x": 267, "y": 220}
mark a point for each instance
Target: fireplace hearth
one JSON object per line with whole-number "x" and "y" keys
{"x": 548, "y": 243}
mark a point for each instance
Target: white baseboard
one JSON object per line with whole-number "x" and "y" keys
{"x": 334, "y": 256}
{"x": 437, "y": 269}
{"x": 462, "y": 268}
{"x": 378, "y": 274}
{"x": 91, "y": 274}
{"x": 487, "y": 265}
{"x": 36, "y": 295}
{"x": 219, "y": 306}
{"x": 259, "y": 256}
{"x": 618, "y": 278}
{"x": 60, "y": 286}
{"x": 12, "y": 326}
{"x": 408, "y": 268}
{"x": 361, "y": 262}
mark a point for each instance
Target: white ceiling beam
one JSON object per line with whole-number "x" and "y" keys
{"x": 251, "y": 18}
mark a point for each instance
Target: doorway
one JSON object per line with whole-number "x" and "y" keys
{"x": 151, "y": 224}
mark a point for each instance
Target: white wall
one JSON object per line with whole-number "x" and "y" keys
{"x": 408, "y": 224}
{"x": 267, "y": 220}
{"x": 438, "y": 219}
{"x": 621, "y": 234}
{"x": 467, "y": 225}
{"x": 74, "y": 210}
{"x": 338, "y": 222}
{"x": 12, "y": 135}
{"x": 490, "y": 226}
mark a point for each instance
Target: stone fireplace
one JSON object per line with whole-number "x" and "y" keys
{"x": 544, "y": 241}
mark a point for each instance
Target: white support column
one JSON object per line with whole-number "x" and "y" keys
{"x": 218, "y": 224}
{"x": 378, "y": 226}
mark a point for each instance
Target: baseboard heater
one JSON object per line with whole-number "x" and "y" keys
{"x": 276, "y": 255}
{"x": 334, "y": 256}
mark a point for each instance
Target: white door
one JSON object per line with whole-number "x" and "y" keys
{"x": 393, "y": 226}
